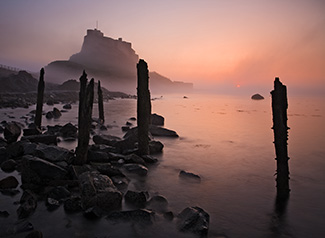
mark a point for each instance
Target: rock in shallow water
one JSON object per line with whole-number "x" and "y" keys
{"x": 194, "y": 219}
{"x": 8, "y": 183}
{"x": 257, "y": 97}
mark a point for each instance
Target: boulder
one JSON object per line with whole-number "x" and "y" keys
{"x": 49, "y": 115}
{"x": 136, "y": 169}
{"x": 158, "y": 203}
{"x": 106, "y": 139}
{"x": 43, "y": 138}
{"x": 53, "y": 153}
{"x": 58, "y": 193}
{"x": 160, "y": 131}
{"x": 195, "y": 220}
{"x": 149, "y": 159}
{"x": 4, "y": 214}
{"x": 157, "y": 120}
{"x": 12, "y": 131}
{"x": 8, "y": 183}
{"x": 137, "y": 199}
{"x": 28, "y": 204}
{"x": 109, "y": 170}
{"x": 68, "y": 130}
{"x": 40, "y": 172}
{"x": 56, "y": 113}
{"x": 98, "y": 190}
{"x": 155, "y": 147}
{"x": 31, "y": 131}
{"x": 52, "y": 204}
{"x": 9, "y": 165}
{"x": 134, "y": 159}
{"x": 97, "y": 156}
{"x": 257, "y": 97}
{"x": 34, "y": 234}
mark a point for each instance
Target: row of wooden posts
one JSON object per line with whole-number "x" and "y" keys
{"x": 86, "y": 97}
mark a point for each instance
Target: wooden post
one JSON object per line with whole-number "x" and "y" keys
{"x": 100, "y": 104}
{"x": 280, "y": 128}
{"x": 39, "y": 105}
{"x": 143, "y": 108}
{"x": 86, "y": 98}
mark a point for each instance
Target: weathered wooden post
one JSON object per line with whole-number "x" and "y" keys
{"x": 86, "y": 98}
{"x": 39, "y": 105}
{"x": 280, "y": 128}
{"x": 143, "y": 108}
{"x": 100, "y": 104}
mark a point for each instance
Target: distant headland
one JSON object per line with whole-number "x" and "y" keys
{"x": 113, "y": 61}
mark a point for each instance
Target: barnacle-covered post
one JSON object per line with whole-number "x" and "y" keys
{"x": 100, "y": 104}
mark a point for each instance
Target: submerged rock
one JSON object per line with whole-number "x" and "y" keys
{"x": 137, "y": 199}
{"x": 136, "y": 169}
{"x": 158, "y": 203}
{"x": 28, "y": 204}
{"x": 194, "y": 219}
{"x": 257, "y": 97}
{"x": 157, "y": 120}
{"x": 9, "y": 165}
{"x": 189, "y": 175}
{"x": 160, "y": 131}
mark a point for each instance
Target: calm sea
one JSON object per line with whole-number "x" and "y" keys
{"x": 228, "y": 141}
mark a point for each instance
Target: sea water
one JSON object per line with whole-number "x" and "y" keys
{"x": 228, "y": 142}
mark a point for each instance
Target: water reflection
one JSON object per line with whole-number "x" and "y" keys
{"x": 279, "y": 226}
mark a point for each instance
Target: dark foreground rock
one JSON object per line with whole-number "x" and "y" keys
{"x": 189, "y": 175}
{"x": 194, "y": 219}
{"x": 137, "y": 199}
{"x": 8, "y": 183}
{"x": 163, "y": 132}
{"x": 12, "y": 131}
{"x": 98, "y": 191}
{"x": 28, "y": 204}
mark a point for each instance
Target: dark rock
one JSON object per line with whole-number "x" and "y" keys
{"x": 136, "y": 169}
{"x": 72, "y": 204}
{"x": 8, "y": 183}
{"x": 68, "y": 130}
{"x": 52, "y": 204}
{"x": 189, "y": 175}
{"x": 4, "y": 214}
{"x": 106, "y": 139}
{"x": 9, "y": 192}
{"x": 137, "y": 199}
{"x": 58, "y": 193}
{"x": 39, "y": 171}
{"x": 28, "y": 204}
{"x": 43, "y": 138}
{"x": 53, "y": 130}
{"x": 103, "y": 148}
{"x": 98, "y": 190}
{"x": 53, "y": 153}
{"x": 149, "y": 159}
{"x": 97, "y": 156}
{"x": 128, "y": 123}
{"x": 93, "y": 213}
{"x": 169, "y": 216}
{"x": 49, "y": 115}
{"x": 120, "y": 181}
{"x": 257, "y": 97}
{"x": 134, "y": 159}
{"x": 109, "y": 170}
{"x": 22, "y": 226}
{"x": 138, "y": 216}
{"x": 158, "y": 203}
{"x": 9, "y": 165}
{"x": 35, "y": 234}
{"x": 3, "y": 154}
{"x": 50, "y": 102}
{"x": 67, "y": 106}
{"x": 160, "y": 131}
{"x": 1, "y": 129}
{"x": 155, "y": 147}
{"x": 31, "y": 131}
{"x": 125, "y": 128}
{"x": 103, "y": 128}
{"x": 194, "y": 219}
{"x": 132, "y": 119}
{"x": 12, "y": 131}
{"x": 157, "y": 120}
{"x": 56, "y": 113}
{"x": 3, "y": 142}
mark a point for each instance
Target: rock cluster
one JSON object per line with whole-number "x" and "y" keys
{"x": 95, "y": 189}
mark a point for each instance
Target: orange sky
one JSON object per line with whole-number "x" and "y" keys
{"x": 207, "y": 42}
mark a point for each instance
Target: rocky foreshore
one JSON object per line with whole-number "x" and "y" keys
{"x": 93, "y": 190}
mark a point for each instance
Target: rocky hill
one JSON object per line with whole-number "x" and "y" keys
{"x": 113, "y": 61}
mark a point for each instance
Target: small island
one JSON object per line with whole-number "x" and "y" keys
{"x": 257, "y": 97}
